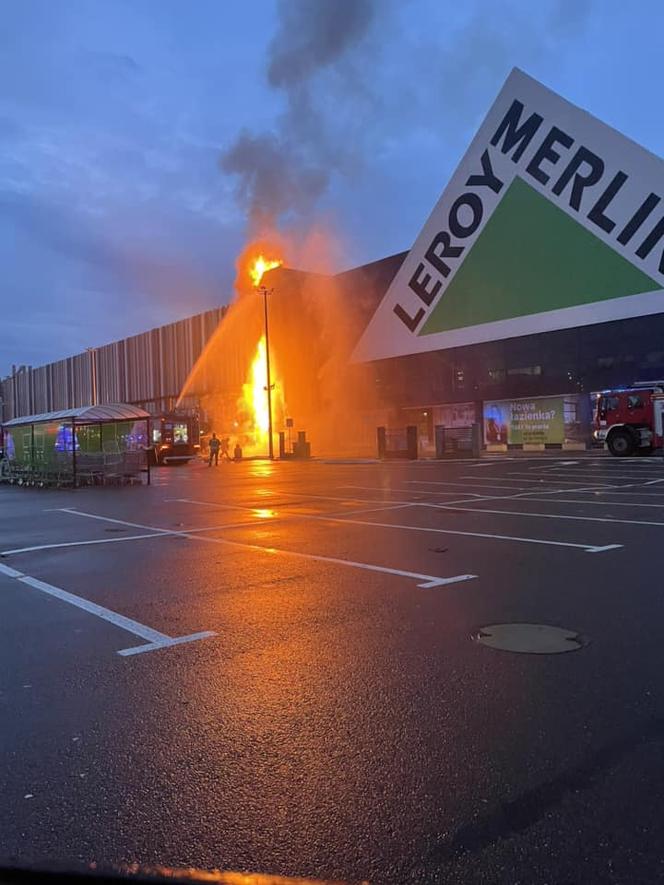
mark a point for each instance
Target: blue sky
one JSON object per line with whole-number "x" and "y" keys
{"x": 123, "y": 126}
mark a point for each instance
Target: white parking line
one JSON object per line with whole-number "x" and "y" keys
{"x": 378, "y": 509}
{"x": 294, "y": 515}
{"x": 577, "y": 501}
{"x": 348, "y": 499}
{"x": 555, "y": 466}
{"x": 583, "y": 477}
{"x": 16, "y": 550}
{"x": 533, "y": 494}
{"x": 156, "y": 640}
{"x": 423, "y": 492}
{"x": 525, "y": 513}
{"x": 588, "y": 548}
{"x": 622, "y": 482}
{"x": 607, "y": 490}
{"x": 426, "y": 581}
{"x": 464, "y": 485}
{"x": 157, "y": 533}
{"x": 553, "y": 480}
{"x": 513, "y": 488}
{"x": 600, "y": 474}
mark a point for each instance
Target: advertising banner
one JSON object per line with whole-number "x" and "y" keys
{"x": 548, "y": 420}
{"x": 455, "y": 414}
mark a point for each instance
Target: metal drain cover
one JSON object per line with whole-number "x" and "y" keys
{"x": 533, "y": 639}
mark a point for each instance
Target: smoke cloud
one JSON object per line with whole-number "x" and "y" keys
{"x": 362, "y": 86}
{"x": 281, "y": 174}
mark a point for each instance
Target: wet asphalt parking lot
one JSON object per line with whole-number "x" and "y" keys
{"x": 272, "y": 667}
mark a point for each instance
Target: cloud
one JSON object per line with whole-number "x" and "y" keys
{"x": 109, "y": 189}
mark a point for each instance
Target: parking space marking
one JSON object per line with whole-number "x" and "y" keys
{"x": 428, "y": 581}
{"x": 606, "y": 485}
{"x": 13, "y": 552}
{"x": 421, "y": 491}
{"x": 553, "y": 480}
{"x": 524, "y": 513}
{"x": 499, "y": 484}
{"x": 577, "y": 501}
{"x": 555, "y": 466}
{"x": 380, "y": 509}
{"x": 135, "y": 525}
{"x": 606, "y": 490}
{"x": 464, "y": 485}
{"x": 533, "y": 494}
{"x": 291, "y": 515}
{"x": 597, "y": 472}
{"x": 587, "y": 548}
{"x": 555, "y": 477}
{"x": 156, "y": 640}
{"x": 348, "y": 499}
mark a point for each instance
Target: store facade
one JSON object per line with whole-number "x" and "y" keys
{"x": 537, "y": 279}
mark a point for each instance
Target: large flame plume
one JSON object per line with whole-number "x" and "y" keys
{"x": 260, "y": 267}
{"x": 254, "y": 404}
{"x": 314, "y": 321}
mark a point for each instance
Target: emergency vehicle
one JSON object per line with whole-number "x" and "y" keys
{"x": 629, "y": 420}
{"x": 175, "y": 439}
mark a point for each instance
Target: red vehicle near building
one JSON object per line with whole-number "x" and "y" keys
{"x": 629, "y": 420}
{"x": 175, "y": 439}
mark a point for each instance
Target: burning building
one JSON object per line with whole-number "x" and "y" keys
{"x": 537, "y": 280}
{"x": 311, "y": 326}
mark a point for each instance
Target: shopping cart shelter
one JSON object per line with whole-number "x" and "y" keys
{"x": 90, "y": 445}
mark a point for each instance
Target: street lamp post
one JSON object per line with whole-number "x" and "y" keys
{"x": 268, "y": 378}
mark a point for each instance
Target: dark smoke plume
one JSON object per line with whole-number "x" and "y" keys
{"x": 281, "y": 174}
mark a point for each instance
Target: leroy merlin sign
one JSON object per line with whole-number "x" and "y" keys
{"x": 552, "y": 220}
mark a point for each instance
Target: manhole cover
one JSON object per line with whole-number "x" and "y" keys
{"x": 533, "y": 639}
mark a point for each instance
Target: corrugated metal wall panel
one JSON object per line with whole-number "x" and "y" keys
{"x": 81, "y": 370}
{"x": 148, "y": 368}
{"x": 60, "y": 387}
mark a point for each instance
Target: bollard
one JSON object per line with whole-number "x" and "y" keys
{"x": 381, "y": 437}
{"x": 439, "y": 433}
{"x": 476, "y": 432}
{"x": 411, "y": 442}
{"x": 302, "y": 448}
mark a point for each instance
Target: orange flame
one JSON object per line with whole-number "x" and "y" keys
{"x": 253, "y": 403}
{"x": 260, "y": 266}
{"x": 255, "y": 393}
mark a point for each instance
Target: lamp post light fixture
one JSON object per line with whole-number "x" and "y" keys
{"x": 265, "y": 291}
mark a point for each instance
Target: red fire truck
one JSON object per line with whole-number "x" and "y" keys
{"x": 629, "y": 419}
{"x": 175, "y": 439}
